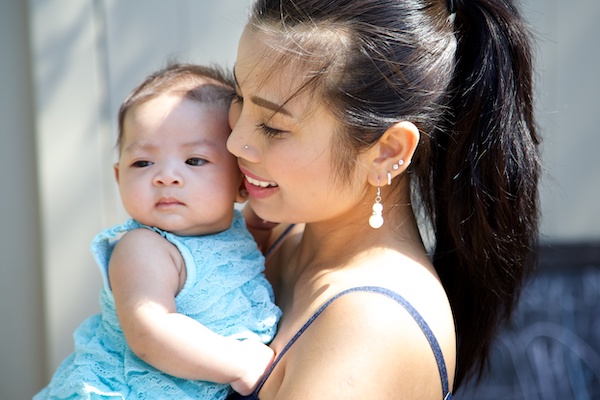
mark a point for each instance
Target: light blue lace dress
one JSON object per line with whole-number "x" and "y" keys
{"x": 225, "y": 291}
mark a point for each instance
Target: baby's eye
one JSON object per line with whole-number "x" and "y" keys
{"x": 141, "y": 164}
{"x": 196, "y": 161}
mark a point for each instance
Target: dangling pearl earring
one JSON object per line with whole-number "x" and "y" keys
{"x": 376, "y": 219}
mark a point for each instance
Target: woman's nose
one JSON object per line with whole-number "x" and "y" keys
{"x": 240, "y": 142}
{"x": 234, "y": 141}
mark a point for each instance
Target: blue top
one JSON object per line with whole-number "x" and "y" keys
{"x": 437, "y": 351}
{"x": 225, "y": 290}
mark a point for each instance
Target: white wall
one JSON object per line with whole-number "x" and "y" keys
{"x": 21, "y": 325}
{"x": 65, "y": 67}
{"x": 568, "y": 87}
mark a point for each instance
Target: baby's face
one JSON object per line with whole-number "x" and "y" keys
{"x": 174, "y": 171}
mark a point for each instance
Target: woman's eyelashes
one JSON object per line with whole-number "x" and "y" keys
{"x": 237, "y": 99}
{"x": 269, "y": 131}
{"x": 265, "y": 129}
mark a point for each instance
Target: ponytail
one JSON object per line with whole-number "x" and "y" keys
{"x": 485, "y": 174}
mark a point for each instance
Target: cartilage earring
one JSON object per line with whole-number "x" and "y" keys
{"x": 246, "y": 147}
{"x": 397, "y": 166}
{"x": 376, "y": 218}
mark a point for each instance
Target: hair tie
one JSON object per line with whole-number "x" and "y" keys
{"x": 451, "y": 6}
{"x": 452, "y": 10}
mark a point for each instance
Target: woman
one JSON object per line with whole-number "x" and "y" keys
{"x": 377, "y": 123}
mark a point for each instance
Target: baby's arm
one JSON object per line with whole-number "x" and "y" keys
{"x": 145, "y": 276}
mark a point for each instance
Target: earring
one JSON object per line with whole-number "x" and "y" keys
{"x": 246, "y": 147}
{"x": 376, "y": 218}
{"x": 397, "y": 166}
{"x": 389, "y": 176}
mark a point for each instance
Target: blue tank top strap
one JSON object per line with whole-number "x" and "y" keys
{"x": 437, "y": 351}
{"x": 279, "y": 239}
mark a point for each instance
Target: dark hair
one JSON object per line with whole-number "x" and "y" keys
{"x": 205, "y": 84}
{"x": 465, "y": 81}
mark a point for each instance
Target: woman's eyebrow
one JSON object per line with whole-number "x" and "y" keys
{"x": 264, "y": 103}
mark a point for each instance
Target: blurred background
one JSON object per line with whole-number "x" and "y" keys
{"x": 66, "y": 65}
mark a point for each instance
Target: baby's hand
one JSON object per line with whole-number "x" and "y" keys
{"x": 257, "y": 358}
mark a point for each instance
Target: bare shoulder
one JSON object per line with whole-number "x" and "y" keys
{"x": 144, "y": 255}
{"x": 378, "y": 349}
{"x": 144, "y": 243}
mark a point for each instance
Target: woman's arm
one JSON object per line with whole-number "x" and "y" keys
{"x": 146, "y": 273}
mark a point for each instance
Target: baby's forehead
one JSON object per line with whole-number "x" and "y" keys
{"x": 176, "y": 111}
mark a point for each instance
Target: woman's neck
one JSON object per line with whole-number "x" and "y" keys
{"x": 333, "y": 245}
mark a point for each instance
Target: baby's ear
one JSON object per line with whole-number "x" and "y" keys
{"x": 242, "y": 193}
{"x": 116, "y": 171}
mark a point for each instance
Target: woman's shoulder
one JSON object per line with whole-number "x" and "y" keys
{"x": 379, "y": 350}
{"x": 393, "y": 306}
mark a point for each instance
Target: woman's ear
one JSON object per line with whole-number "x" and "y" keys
{"x": 393, "y": 152}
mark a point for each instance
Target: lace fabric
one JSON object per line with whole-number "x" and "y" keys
{"x": 225, "y": 290}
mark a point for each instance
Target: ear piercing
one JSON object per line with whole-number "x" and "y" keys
{"x": 397, "y": 166}
{"x": 246, "y": 147}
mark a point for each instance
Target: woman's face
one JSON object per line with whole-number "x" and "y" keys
{"x": 284, "y": 143}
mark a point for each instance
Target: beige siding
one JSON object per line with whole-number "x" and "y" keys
{"x": 66, "y": 65}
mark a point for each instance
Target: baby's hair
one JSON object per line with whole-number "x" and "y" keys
{"x": 204, "y": 84}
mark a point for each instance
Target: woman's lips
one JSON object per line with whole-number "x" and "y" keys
{"x": 258, "y": 188}
{"x": 259, "y": 192}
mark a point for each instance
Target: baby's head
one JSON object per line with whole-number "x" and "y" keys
{"x": 174, "y": 171}
{"x": 209, "y": 85}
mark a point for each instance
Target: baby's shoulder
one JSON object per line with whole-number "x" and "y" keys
{"x": 147, "y": 244}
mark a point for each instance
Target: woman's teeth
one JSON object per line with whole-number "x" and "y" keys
{"x": 262, "y": 184}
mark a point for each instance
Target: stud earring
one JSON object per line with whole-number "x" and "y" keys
{"x": 397, "y": 166}
{"x": 246, "y": 147}
{"x": 376, "y": 218}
